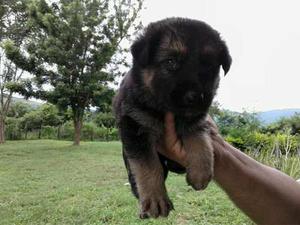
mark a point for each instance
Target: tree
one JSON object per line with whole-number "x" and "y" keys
{"x": 89, "y": 129}
{"x": 45, "y": 115}
{"x": 105, "y": 120}
{"x": 74, "y": 50}
{"x": 19, "y": 109}
{"x": 50, "y": 115}
{"x": 32, "y": 121}
{"x": 284, "y": 125}
{"x": 12, "y": 19}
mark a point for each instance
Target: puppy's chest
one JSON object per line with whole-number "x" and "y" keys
{"x": 153, "y": 123}
{"x": 186, "y": 128}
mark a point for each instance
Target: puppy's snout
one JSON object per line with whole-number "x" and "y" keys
{"x": 190, "y": 98}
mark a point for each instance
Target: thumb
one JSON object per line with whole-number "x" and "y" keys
{"x": 170, "y": 130}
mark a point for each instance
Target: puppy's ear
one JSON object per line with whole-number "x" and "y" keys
{"x": 140, "y": 51}
{"x": 225, "y": 58}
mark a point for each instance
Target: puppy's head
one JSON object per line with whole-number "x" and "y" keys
{"x": 178, "y": 62}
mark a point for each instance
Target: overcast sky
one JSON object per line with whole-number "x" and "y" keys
{"x": 264, "y": 41}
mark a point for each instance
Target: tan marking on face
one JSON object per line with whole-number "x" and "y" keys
{"x": 173, "y": 44}
{"x": 178, "y": 46}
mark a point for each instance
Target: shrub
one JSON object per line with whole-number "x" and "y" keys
{"x": 105, "y": 120}
{"x": 12, "y": 128}
{"x": 67, "y": 131}
{"x": 107, "y": 134}
{"x": 49, "y": 132}
{"x": 237, "y": 142}
{"x": 89, "y": 131}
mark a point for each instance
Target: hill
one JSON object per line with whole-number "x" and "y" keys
{"x": 271, "y": 116}
{"x": 33, "y": 103}
{"x": 266, "y": 117}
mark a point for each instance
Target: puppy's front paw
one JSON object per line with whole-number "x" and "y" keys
{"x": 155, "y": 206}
{"x": 198, "y": 179}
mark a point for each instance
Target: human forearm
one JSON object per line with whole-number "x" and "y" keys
{"x": 266, "y": 195}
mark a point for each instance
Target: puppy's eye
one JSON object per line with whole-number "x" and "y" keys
{"x": 171, "y": 64}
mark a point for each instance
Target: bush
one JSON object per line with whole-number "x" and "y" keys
{"x": 67, "y": 131}
{"x": 89, "y": 131}
{"x": 257, "y": 141}
{"x": 105, "y": 120}
{"x": 288, "y": 162}
{"x": 12, "y": 128}
{"x": 107, "y": 134}
{"x": 238, "y": 142}
{"x": 49, "y": 132}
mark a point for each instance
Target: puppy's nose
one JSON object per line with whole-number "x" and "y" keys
{"x": 190, "y": 98}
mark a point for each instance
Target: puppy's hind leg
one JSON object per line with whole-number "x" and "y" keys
{"x": 200, "y": 160}
{"x": 146, "y": 169}
{"x": 131, "y": 178}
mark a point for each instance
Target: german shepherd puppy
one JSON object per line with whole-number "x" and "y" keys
{"x": 176, "y": 63}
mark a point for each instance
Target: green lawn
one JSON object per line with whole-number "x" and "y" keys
{"x": 52, "y": 182}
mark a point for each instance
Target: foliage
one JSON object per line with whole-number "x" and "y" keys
{"x": 32, "y": 120}
{"x": 244, "y": 131}
{"x": 282, "y": 156}
{"x": 89, "y": 130}
{"x": 105, "y": 120}
{"x": 48, "y": 132}
{"x": 47, "y": 122}
{"x": 291, "y": 125}
{"x": 73, "y": 48}
{"x": 18, "y": 109}
{"x": 50, "y": 115}
{"x": 13, "y": 128}
{"x": 12, "y": 20}
{"x": 237, "y": 124}
{"x": 238, "y": 142}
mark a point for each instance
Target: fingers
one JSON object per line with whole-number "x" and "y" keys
{"x": 173, "y": 146}
{"x": 170, "y": 130}
{"x": 212, "y": 125}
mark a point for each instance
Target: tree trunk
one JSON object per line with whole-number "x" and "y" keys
{"x": 78, "y": 113}
{"x": 26, "y": 131}
{"x": 40, "y": 132}
{"x": 2, "y": 127}
{"x": 59, "y": 132}
{"x": 92, "y": 136}
{"x": 77, "y": 126}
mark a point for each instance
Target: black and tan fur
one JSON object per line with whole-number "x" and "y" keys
{"x": 176, "y": 65}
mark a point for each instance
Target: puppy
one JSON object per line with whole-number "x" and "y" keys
{"x": 176, "y": 63}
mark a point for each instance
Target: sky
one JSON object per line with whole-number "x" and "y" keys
{"x": 263, "y": 38}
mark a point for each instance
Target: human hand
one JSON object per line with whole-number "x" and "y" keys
{"x": 173, "y": 147}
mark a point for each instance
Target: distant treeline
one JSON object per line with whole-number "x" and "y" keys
{"x": 248, "y": 133}
{"x": 47, "y": 122}
{"x": 243, "y": 130}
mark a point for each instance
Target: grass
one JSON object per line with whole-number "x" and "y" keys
{"x": 289, "y": 164}
{"x": 52, "y": 182}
